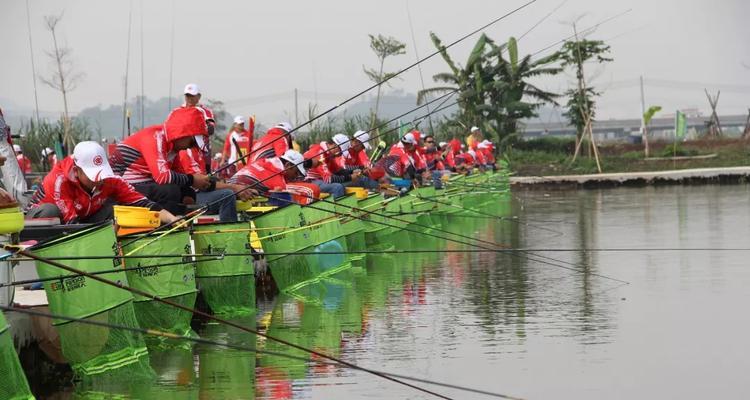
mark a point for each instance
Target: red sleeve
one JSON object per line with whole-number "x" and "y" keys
{"x": 227, "y": 145}
{"x": 364, "y": 160}
{"x": 190, "y": 162}
{"x": 154, "y": 155}
{"x": 55, "y": 185}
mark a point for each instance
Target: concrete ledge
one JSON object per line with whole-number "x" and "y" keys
{"x": 625, "y": 178}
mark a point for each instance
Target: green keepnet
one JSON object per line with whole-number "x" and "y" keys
{"x": 13, "y": 384}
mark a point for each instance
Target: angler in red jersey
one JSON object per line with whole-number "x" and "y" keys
{"x": 49, "y": 158}
{"x": 488, "y": 152}
{"x": 434, "y": 161}
{"x": 274, "y": 144}
{"x": 271, "y": 174}
{"x": 83, "y": 188}
{"x": 356, "y": 155}
{"x": 237, "y": 143}
{"x": 147, "y": 159}
{"x": 327, "y": 170}
{"x": 221, "y": 198}
{"x": 23, "y": 162}
{"x": 399, "y": 162}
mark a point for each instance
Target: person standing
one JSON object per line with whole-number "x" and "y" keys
{"x": 237, "y": 144}
{"x": 23, "y": 162}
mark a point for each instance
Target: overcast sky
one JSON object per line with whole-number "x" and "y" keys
{"x": 253, "y": 54}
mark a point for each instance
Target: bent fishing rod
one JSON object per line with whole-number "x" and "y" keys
{"x": 249, "y": 349}
{"x": 389, "y": 77}
{"x": 211, "y": 317}
{"x": 197, "y": 212}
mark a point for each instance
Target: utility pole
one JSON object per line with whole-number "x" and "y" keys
{"x": 644, "y": 129}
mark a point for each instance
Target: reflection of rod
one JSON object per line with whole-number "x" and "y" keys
{"x": 169, "y": 335}
{"x": 210, "y": 317}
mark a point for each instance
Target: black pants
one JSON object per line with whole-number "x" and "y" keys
{"x": 169, "y": 197}
{"x": 49, "y": 210}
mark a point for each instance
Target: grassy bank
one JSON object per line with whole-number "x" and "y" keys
{"x": 552, "y": 156}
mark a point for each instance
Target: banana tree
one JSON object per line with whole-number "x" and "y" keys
{"x": 468, "y": 81}
{"x": 511, "y": 95}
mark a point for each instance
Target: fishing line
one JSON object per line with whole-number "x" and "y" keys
{"x": 109, "y": 271}
{"x": 583, "y": 32}
{"x": 446, "y": 96}
{"x": 209, "y": 316}
{"x": 168, "y": 335}
{"x": 391, "y": 76}
{"x": 513, "y": 254}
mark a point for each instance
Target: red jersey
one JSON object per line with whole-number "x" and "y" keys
{"x": 148, "y": 155}
{"x": 356, "y": 159}
{"x": 274, "y": 144}
{"x": 322, "y": 171}
{"x": 244, "y": 141}
{"x": 191, "y": 161}
{"x": 61, "y": 188}
{"x": 24, "y": 163}
{"x": 432, "y": 159}
{"x": 263, "y": 175}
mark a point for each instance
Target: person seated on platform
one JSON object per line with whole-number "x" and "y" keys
{"x": 354, "y": 175}
{"x": 356, "y": 155}
{"x": 277, "y": 174}
{"x": 398, "y": 163}
{"x": 82, "y": 188}
{"x": 488, "y": 152}
{"x": 434, "y": 161}
{"x": 221, "y": 198}
{"x": 328, "y": 170}
{"x": 146, "y": 159}
{"x": 273, "y": 144}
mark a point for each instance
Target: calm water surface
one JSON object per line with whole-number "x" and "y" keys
{"x": 541, "y": 325}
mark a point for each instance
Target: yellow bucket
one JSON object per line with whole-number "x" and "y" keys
{"x": 359, "y": 193}
{"x": 11, "y": 220}
{"x": 136, "y": 217}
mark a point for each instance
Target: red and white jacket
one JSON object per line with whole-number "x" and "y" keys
{"x": 263, "y": 175}
{"x": 24, "y": 163}
{"x": 356, "y": 159}
{"x": 148, "y": 155}
{"x": 274, "y": 144}
{"x": 244, "y": 141}
{"x": 329, "y": 169}
{"x": 61, "y": 188}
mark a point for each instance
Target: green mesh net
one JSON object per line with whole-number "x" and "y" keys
{"x": 99, "y": 354}
{"x": 228, "y": 284}
{"x": 13, "y": 384}
{"x": 175, "y": 282}
{"x": 92, "y": 351}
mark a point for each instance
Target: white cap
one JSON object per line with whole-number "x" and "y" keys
{"x": 363, "y": 137}
{"x": 92, "y": 159}
{"x": 342, "y": 141}
{"x": 192, "y": 89}
{"x": 442, "y": 144}
{"x": 486, "y": 142}
{"x": 295, "y": 158}
{"x": 463, "y": 146}
{"x": 217, "y": 155}
{"x": 47, "y": 151}
{"x": 409, "y": 138}
{"x": 482, "y": 145}
{"x": 285, "y": 126}
{"x": 239, "y": 120}
{"x": 17, "y": 148}
{"x": 474, "y": 129}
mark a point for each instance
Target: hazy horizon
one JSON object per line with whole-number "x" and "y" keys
{"x": 253, "y": 56}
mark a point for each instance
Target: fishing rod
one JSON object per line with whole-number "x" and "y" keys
{"x": 391, "y": 76}
{"x": 583, "y": 32}
{"x": 109, "y": 271}
{"x": 528, "y": 255}
{"x": 192, "y": 214}
{"x": 205, "y": 315}
{"x": 174, "y": 336}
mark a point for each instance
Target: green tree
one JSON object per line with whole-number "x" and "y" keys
{"x": 383, "y": 47}
{"x": 581, "y": 106}
{"x": 512, "y": 97}
{"x": 467, "y": 80}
